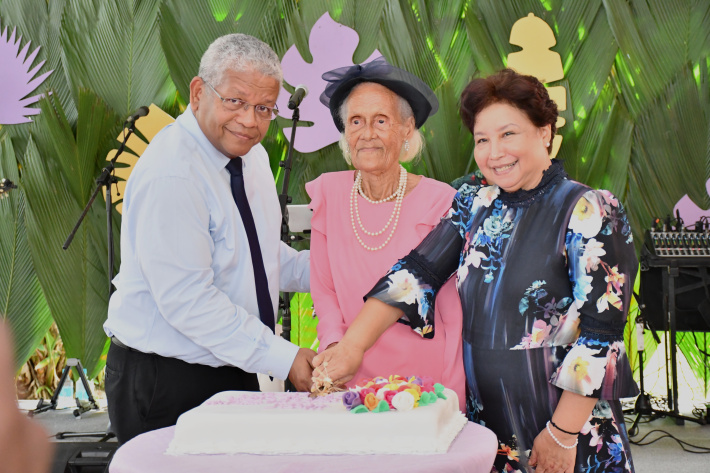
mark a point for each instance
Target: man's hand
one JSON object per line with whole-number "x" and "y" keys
{"x": 302, "y": 370}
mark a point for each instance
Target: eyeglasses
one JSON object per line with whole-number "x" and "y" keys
{"x": 234, "y": 105}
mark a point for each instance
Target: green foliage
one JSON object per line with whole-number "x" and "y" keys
{"x": 113, "y": 48}
{"x": 22, "y": 303}
{"x": 45, "y": 366}
{"x": 75, "y": 281}
{"x": 637, "y": 118}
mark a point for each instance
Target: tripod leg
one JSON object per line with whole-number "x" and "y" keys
{"x": 85, "y": 382}
{"x": 43, "y": 406}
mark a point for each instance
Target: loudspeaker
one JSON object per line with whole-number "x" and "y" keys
{"x": 692, "y": 301}
{"x": 82, "y": 457}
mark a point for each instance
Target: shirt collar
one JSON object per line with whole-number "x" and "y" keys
{"x": 213, "y": 156}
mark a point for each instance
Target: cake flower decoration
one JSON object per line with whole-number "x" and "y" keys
{"x": 389, "y": 395}
{"x": 382, "y": 406}
{"x": 403, "y": 401}
{"x": 351, "y": 399}
{"x": 364, "y": 392}
{"x": 415, "y": 394}
{"x": 371, "y": 401}
{"x": 439, "y": 390}
{"x": 393, "y": 393}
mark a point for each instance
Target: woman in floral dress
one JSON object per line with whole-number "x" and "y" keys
{"x": 544, "y": 268}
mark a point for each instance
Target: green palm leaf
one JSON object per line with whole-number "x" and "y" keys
{"x": 75, "y": 281}
{"x": 670, "y": 153}
{"x": 448, "y": 152}
{"x": 22, "y": 303}
{"x": 587, "y": 49}
{"x": 653, "y": 51}
{"x": 114, "y": 49}
{"x": 661, "y": 79}
{"x": 204, "y": 21}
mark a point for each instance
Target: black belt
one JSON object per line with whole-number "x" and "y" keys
{"x": 120, "y": 344}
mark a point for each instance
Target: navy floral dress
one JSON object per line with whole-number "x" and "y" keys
{"x": 545, "y": 279}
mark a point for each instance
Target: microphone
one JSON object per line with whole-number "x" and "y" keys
{"x": 141, "y": 112}
{"x": 298, "y": 95}
{"x": 6, "y": 185}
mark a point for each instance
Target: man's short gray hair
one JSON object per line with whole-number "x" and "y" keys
{"x": 416, "y": 142}
{"x": 239, "y": 52}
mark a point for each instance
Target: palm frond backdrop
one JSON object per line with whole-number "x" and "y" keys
{"x": 636, "y": 75}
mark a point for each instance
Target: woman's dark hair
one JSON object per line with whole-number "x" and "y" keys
{"x": 522, "y": 92}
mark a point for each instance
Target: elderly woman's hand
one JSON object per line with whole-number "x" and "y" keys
{"x": 338, "y": 363}
{"x": 548, "y": 457}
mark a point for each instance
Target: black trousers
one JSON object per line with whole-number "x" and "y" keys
{"x": 147, "y": 391}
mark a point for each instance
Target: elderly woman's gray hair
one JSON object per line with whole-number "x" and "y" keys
{"x": 416, "y": 142}
{"x": 239, "y": 52}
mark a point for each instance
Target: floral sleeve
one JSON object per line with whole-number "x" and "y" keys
{"x": 602, "y": 266}
{"x": 412, "y": 283}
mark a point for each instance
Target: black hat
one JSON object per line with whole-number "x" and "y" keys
{"x": 408, "y": 86}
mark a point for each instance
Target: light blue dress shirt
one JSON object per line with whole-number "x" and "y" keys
{"x": 185, "y": 288}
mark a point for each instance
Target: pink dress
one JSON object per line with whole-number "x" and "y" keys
{"x": 342, "y": 272}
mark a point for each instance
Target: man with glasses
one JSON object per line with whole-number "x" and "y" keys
{"x": 202, "y": 261}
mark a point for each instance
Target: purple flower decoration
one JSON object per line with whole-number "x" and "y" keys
{"x": 332, "y": 45}
{"x": 18, "y": 79}
{"x": 351, "y": 399}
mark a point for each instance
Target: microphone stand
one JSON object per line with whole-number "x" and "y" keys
{"x": 284, "y": 200}
{"x": 105, "y": 179}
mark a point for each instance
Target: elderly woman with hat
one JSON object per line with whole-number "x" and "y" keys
{"x": 367, "y": 218}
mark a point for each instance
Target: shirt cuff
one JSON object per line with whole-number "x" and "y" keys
{"x": 280, "y": 357}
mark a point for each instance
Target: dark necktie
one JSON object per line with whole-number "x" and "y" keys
{"x": 263, "y": 299}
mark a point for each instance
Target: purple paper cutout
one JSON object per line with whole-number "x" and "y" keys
{"x": 689, "y": 212}
{"x": 332, "y": 45}
{"x": 16, "y": 80}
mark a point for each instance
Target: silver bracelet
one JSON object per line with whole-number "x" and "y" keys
{"x": 570, "y": 447}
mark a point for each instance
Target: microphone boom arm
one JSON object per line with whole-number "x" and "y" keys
{"x": 106, "y": 178}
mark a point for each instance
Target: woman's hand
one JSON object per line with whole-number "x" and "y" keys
{"x": 339, "y": 362}
{"x": 548, "y": 457}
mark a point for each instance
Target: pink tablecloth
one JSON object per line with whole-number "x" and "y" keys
{"x": 473, "y": 451}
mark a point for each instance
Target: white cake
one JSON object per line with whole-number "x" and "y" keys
{"x": 293, "y": 423}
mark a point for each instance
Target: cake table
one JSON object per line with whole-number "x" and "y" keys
{"x": 473, "y": 451}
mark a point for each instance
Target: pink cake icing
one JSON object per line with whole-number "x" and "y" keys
{"x": 289, "y": 400}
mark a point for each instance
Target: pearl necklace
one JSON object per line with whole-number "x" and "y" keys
{"x": 400, "y": 189}
{"x": 394, "y": 217}
{"x": 362, "y": 193}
